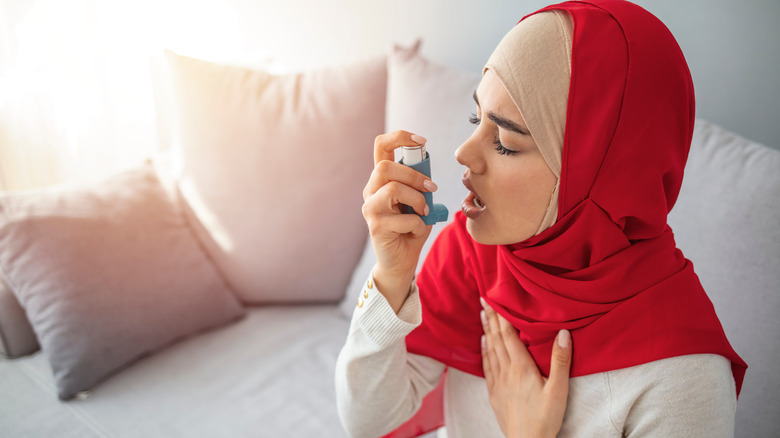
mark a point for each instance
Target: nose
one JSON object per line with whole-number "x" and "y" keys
{"x": 469, "y": 155}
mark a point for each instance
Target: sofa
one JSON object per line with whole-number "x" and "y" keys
{"x": 208, "y": 291}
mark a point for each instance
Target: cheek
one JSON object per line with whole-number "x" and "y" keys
{"x": 524, "y": 191}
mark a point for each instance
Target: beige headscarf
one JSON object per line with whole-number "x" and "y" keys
{"x": 533, "y": 61}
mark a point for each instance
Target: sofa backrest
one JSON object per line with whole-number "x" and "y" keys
{"x": 727, "y": 222}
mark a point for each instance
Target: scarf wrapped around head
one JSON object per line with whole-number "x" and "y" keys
{"x": 604, "y": 263}
{"x": 533, "y": 63}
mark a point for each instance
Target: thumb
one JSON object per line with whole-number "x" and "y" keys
{"x": 560, "y": 364}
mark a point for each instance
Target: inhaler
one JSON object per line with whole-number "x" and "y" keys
{"x": 418, "y": 159}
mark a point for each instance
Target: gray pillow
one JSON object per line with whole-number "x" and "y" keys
{"x": 16, "y": 335}
{"x": 107, "y": 274}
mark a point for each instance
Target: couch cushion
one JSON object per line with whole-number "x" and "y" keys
{"x": 273, "y": 168}
{"x": 268, "y": 375}
{"x": 433, "y": 101}
{"x": 726, "y": 222}
{"x": 107, "y": 274}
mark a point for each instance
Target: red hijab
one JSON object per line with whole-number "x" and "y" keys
{"x": 608, "y": 270}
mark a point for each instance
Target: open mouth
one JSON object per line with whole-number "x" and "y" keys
{"x": 472, "y": 206}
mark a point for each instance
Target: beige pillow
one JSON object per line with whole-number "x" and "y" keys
{"x": 273, "y": 167}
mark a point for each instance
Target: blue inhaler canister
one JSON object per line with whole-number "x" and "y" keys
{"x": 418, "y": 159}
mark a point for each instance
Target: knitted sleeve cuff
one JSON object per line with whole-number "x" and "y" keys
{"x": 378, "y": 320}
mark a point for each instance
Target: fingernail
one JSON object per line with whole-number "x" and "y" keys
{"x": 483, "y": 302}
{"x": 482, "y": 317}
{"x": 427, "y": 210}
{"x": 564, "y": 339}
{"x": 483, "y": 342}
{"x": 430, "y": 185}
{"x": 418, "y": 139}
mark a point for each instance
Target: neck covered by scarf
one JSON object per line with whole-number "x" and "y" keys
{"x": 607, "y": 268}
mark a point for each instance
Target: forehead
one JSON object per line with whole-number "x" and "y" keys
{"x": 493, "y": 97}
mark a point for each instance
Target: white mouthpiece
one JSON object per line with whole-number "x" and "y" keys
{"x": 413, "y": 154}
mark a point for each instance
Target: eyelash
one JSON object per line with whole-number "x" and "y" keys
{"x": 499, "y": 147}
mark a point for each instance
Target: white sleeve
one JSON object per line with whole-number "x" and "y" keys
{"x": 682, "y": 396}
{"x": 379, "y": 385}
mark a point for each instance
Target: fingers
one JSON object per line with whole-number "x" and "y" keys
{"x": 515, "y": 349}
{"x": 507, "y": 337}
{"x": 392, "y": 184}
{"x": 385, "y": 144}
{"x": 398, "y": 224}
{"x": 487, "y": 362}
{"x": 387, "y": 171}
{"x": 495, "y": 343}
{"x": 387, "y": 198}
{"x": 560, "y": 364}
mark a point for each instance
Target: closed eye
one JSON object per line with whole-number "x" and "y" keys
{"x": 499, "y": 146}
{"x": 501, "y": 149}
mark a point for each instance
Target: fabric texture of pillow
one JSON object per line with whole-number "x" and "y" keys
{"x": 107, "y": 274}
{"x": 433, "y": 101}
{"x": 273, "y": 168}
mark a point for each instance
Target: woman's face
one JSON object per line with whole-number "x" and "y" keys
{"x": 509, "y": 180}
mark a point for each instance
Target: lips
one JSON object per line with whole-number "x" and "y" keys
{"x": 472, "y": 206}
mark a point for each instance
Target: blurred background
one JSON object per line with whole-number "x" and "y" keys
{"x": 76, "y": 88}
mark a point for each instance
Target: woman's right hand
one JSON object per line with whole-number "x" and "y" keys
{"x": 397, "y": 238}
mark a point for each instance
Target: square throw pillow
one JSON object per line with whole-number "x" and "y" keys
{"x": 107, "y": 274}
{"x": 273, "y": 167}
{"x": 433, "y": 101}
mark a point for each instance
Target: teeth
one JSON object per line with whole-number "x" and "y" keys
{"x": 478, "y": 202}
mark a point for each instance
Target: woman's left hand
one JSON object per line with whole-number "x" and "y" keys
{"x": 526, "y": 403}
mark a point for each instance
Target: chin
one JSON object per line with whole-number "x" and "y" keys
{"x": 480, "y": 234}
{"x": 486, "y": 235}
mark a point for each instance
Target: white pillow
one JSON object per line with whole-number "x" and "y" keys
{"x": 273, "y": 168}
{"x": 433, "y": 101}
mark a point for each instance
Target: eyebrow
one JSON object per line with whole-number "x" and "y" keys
{"x": 501, "y": 121}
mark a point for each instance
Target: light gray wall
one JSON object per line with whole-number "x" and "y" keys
{"x": 733, "y": 52}
{"x": 731, "y": 46}
{"x": 732, "y": 49}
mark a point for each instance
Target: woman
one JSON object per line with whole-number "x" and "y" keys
{"x": 585, "y": 114}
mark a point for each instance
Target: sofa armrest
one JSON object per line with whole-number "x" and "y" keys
{"x": 16, "y": 334}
